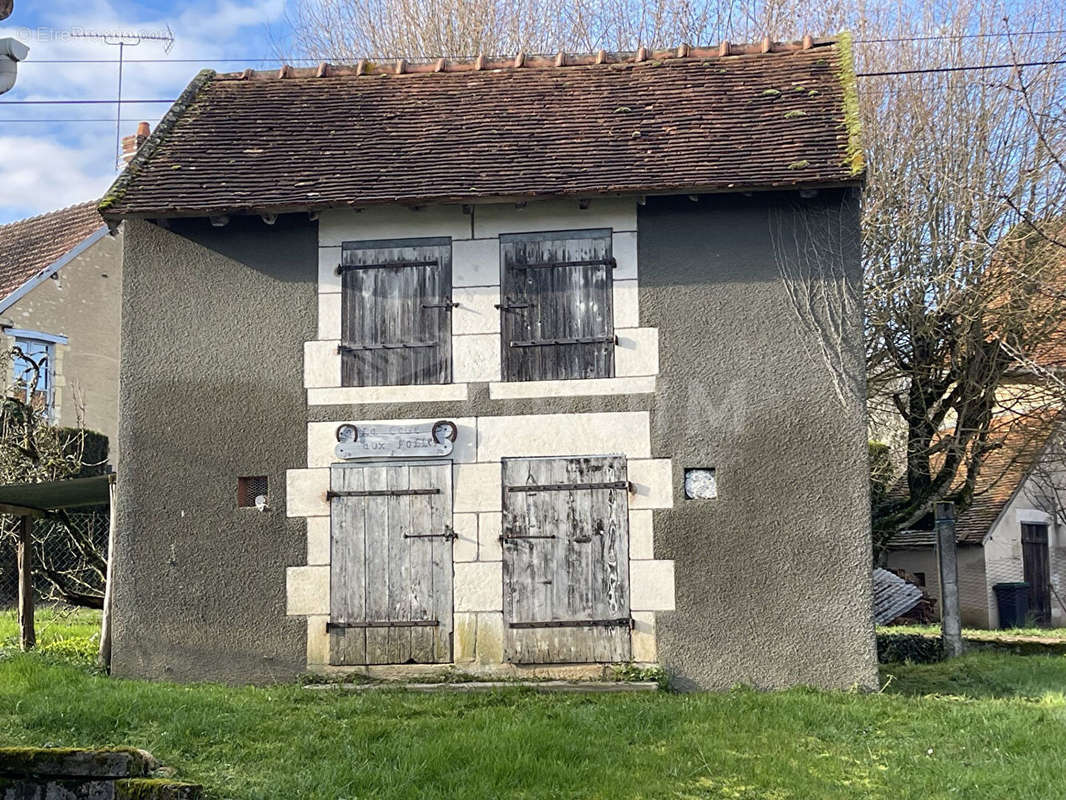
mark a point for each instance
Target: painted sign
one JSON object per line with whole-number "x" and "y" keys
{"x": 431, "y": 440}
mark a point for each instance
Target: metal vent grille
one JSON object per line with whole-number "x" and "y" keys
{"x": 249, "y": 488}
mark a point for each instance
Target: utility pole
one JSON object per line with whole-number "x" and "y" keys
{"x": 122, "y": 41}
{"x": 948, "y": 565}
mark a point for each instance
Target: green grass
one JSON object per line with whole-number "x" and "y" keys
{"x": 986, "y": 725}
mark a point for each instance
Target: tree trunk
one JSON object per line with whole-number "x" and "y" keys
{"x": 27, "y": 631}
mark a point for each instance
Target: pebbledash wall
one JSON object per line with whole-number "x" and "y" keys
{"x": 768, "y": 584}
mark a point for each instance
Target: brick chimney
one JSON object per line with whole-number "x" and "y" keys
{"x": 131, "y": 144}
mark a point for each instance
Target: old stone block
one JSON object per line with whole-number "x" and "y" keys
{"x": 465, "y": 547}
{"x": 307, "y": 590}
{"x": 490, "y": 638}
{"x": 479, "y": 586}
{"x": 62, "y": 762}
{"x": 465, "y": 637}
{"x": 156, "y": 789}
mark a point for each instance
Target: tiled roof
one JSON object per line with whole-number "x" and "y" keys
{"x": 1003, "y": 471}
{"x": 30, "y": 245}
{"x": 760, "y": 117}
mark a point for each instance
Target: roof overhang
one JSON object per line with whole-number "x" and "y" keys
{"x": 36, "y": 499}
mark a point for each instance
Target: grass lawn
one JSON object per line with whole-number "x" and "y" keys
{"x": 987, "y": 725}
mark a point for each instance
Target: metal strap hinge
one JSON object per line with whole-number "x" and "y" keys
{"x": 384, "y": 623}
{"x": 566, "y": 340}
{"x": 400, "y": 264}
{"x": 563, "y": 487}
{"x": 447, "y": 305}
{"x": 377, "y": 492}
{"x": 358, "y": 348}
{"x": 589, "y": 262}
{"x": 575, "y": 623}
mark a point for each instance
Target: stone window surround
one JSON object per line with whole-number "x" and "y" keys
{"x": 477, "y": 518}
{"x": 476, "y": 287}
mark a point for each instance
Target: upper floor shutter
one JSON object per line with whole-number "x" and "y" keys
{"x": 395, "y": 312}
{"x": 557, "y": 319}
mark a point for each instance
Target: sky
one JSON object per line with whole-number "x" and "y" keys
{"x": 68, "y": 159}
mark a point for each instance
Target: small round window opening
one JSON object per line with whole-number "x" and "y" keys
{"x": 700, "y": 483}
{"x": 252, "y": 491}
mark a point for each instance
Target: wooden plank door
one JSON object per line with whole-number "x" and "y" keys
{"x": 396, "y": 312}
{"x": 1037, "y": 570}
{"x": 391, "y": 564}
{"x": 556, "y": 312}
{"x": 566, "y": 560}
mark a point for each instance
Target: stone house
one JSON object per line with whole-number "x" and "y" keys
{"x": 60, "y": 295}
{"x": 1012, "y": 531}
{"x": 495, "y": 364}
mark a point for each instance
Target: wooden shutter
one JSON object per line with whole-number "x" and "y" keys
{"x": 566, "y": 560}
{"x": 556, "y": 311}
{"x": 390, "y": 564}
{"x": 396, "y": 312}
{"x": 1037, "y": 571}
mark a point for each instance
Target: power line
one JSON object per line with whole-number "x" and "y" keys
{"x": 342, "y": 58}
{"x": 925, "y": 71}
{"x": 76, "y": 102}
{"x": 969, "y": 68}
{"x": 959, "y": 36}
{"x": 76, "y": 119}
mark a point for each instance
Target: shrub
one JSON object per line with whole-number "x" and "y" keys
{"x": 911, "y": 647}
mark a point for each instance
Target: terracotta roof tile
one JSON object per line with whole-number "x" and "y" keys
{"x": 30, "y": 245}
{"x": 653, "y": 122}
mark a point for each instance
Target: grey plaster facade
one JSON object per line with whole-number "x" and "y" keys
{"x": 772, "y": 578}
{"x": 211, "y": 390}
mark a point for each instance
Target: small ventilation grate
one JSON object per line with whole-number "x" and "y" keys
{"x": 249, "y": 488}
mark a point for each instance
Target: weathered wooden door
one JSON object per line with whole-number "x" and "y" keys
{"x": 556, "y": 311}
{"x": 566, "y": 560}
{"x": 391, "y": 564}
{"x": 1037, "y": 570}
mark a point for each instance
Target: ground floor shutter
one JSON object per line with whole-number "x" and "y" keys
{"x": 391, "y": 564}
{"x": 566, "y": 560}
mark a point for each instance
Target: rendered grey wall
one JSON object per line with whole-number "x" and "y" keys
{"x": 213, "y": 325}
{"x": 773, "y": 577}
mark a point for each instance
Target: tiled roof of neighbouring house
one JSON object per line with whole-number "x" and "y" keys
{"x": 30, "y": 245}
{"x": 1003, "y": 471}
{"x": 693, "y": 119}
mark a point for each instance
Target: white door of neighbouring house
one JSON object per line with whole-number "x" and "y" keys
{"x": 390, "y": 563}
{"x": 566, "y": 560}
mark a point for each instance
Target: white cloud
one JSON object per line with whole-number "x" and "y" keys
{"x": 40, "y": 174}
{"x": 47, "y": 166}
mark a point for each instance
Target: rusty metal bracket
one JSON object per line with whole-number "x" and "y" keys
{"x": 512, "y": 306}
{"x": 575, "y": 623}
{"x": 515, "y": 538}
{"x": 447, "y": 305}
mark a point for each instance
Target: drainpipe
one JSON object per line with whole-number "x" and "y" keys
{"x": 12, "y": 51}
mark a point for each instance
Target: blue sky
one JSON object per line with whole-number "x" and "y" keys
{"x": 48, "y": 165}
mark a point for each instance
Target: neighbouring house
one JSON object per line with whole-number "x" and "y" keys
{"x": 1012, "y": 531}
{"x": 499, "y": 364}
{"x": 60, "y": 284}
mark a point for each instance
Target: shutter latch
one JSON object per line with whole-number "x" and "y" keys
{"x": 446, "y": 304}
{"x": 512, "y": 306}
